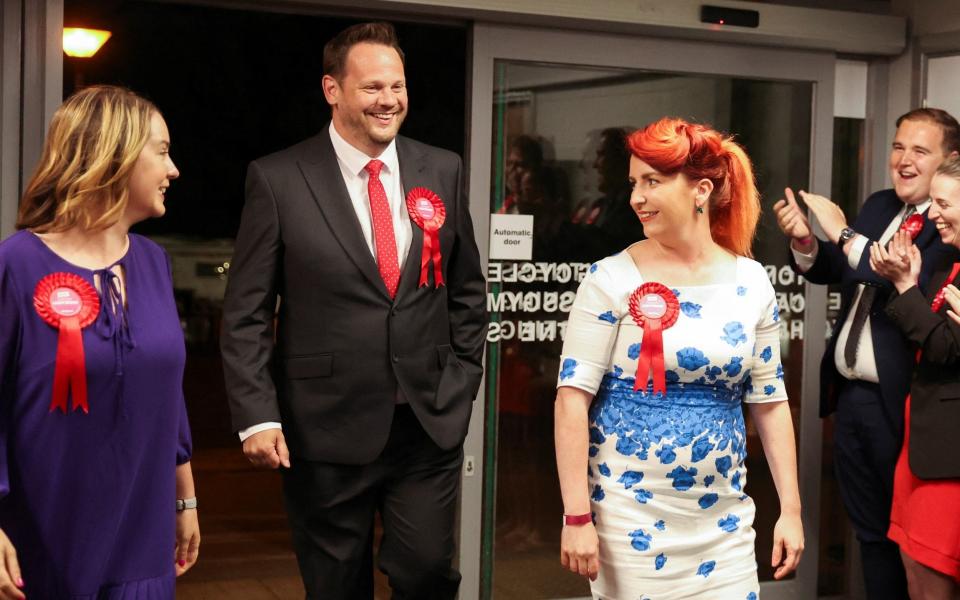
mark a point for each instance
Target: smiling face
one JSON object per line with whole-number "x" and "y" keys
{"x": 665, "y": 204}
{"x": 369, "y": 100}
{"x": 945, "y": 208}
{"x": 151, "y": 174}
{"x": 916, "y": 153}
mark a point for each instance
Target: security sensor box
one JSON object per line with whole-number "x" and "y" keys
{"x": 721, "y": 15}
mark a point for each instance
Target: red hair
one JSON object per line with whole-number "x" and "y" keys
{"x": 674, "y": 146}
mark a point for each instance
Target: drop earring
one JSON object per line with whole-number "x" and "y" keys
{"x": 699, "y": 210}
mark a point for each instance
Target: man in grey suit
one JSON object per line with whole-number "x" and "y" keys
{"x": 363, "y": 390}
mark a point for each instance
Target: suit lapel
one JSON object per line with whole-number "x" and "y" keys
{"x": 322, "y": 172}
{"x": 881, "y": 219}
{"x": 412, "y": 165}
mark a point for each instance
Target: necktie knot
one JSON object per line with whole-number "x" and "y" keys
{"x": 373, "y": 167}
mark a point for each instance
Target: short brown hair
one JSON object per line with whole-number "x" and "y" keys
{"x": 948, "y": 125}
{"x": 335, "y": 51}
{"x": 93, "y": 142}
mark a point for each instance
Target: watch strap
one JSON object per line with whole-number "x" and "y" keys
{"x": 186, "y": 504}
{"x": 846, "y": 234}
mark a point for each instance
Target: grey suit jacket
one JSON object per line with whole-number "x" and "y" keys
{"x": 331, "y": 369}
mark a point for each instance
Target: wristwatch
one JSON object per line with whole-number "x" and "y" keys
{"x": 846, "y": 234}
{"x": 186, "y": 503}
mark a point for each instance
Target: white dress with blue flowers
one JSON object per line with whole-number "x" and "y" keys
{"x": 667, "y": 472}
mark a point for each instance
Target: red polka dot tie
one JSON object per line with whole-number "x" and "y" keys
{"x": 384, "y": 240}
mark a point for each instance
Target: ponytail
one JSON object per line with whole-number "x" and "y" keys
{"x": 699, "y": 152}
{"x": 734, "y": 222}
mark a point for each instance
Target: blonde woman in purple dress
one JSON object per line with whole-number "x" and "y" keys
{"x": 96, "y": 491}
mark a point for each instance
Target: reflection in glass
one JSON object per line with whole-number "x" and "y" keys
{"x": 835, "y": 530}
{"x": 558, "y": 155}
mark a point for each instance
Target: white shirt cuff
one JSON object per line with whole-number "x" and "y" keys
{"x": 245, "y": 433}
{"x": 805, "y": 261}
{"x": 857, "y": 246}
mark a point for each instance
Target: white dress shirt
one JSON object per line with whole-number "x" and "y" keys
{"x": 352, "y": 167}
{"x": 865, "y": 366}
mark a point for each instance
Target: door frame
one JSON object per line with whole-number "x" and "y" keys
{"x": 496, "y": 42}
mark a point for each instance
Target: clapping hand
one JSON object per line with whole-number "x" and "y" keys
{"x": 952, "y": 295}
{"x": 829, "y": 215}
{"x": 900, "y": 263}
{"x": 793, "y": 222}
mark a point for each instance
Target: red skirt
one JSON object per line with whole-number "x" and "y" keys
{"x": 925, "y": 519}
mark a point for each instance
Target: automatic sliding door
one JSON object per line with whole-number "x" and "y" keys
{"x": 556, "y": 162}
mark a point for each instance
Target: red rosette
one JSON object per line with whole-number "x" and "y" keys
{"x": 654, "y": 307}
{"x": 913, "y": 225}
{"x": 939, "y": 299}
{"x": 428, "y": 212}
{"x": 68, "y": 303}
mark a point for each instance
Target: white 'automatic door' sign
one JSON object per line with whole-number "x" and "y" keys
{"x": 511, "y": 237}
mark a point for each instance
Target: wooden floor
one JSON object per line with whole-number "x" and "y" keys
{"x": 245, "y": 550}
{"x": 246, "y": 554}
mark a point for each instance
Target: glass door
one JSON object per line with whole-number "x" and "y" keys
{"x": 550, "y": 112}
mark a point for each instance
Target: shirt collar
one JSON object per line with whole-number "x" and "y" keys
{"x": 355, "y": 160}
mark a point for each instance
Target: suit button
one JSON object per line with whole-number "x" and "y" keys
{"x": 396, "y": 358}
{"x": 394, "y": 312}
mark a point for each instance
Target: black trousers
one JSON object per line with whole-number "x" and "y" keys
{"x": 866, "y": 447}
{"x": 331, "y": 507}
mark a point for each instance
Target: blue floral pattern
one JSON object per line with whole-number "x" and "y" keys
{"x": 733, "y": 333}
{"x": 640, "y": 540}
{"x": 607, "y": 316}
{"x": 706, "y": 568}
{"x": 729, "y": 523}
{"x": 691, "y": 309}
{"x": 630, "y": 478}
{"x": 675, "y": 459}
{"x": 569, "y": 366}
{"x": 691, "y": 359}
{"x": 766, "y": 354}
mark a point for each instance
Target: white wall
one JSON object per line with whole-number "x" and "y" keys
{"x": 934, "y": 27}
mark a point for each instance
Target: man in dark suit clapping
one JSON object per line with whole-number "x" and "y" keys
{"x": 865, "y": 373}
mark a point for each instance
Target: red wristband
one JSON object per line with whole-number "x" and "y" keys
{"x": 578, "y": 519}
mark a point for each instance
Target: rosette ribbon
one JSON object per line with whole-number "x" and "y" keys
{"x": 68, "y": 303}
{"x": 654, "y": 307}
{"x": 912, "y": 225}
{"x": 428, "y": 213}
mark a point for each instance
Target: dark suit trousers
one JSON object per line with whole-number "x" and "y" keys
{"x": 415, "y": 486}
{"x": 866, "y": 448}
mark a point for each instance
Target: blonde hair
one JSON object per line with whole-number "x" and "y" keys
{"x": 950, "y": 167}
{"x": 95, "y": 138}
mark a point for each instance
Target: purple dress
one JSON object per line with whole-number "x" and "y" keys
{"x": 88, "y": 499}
